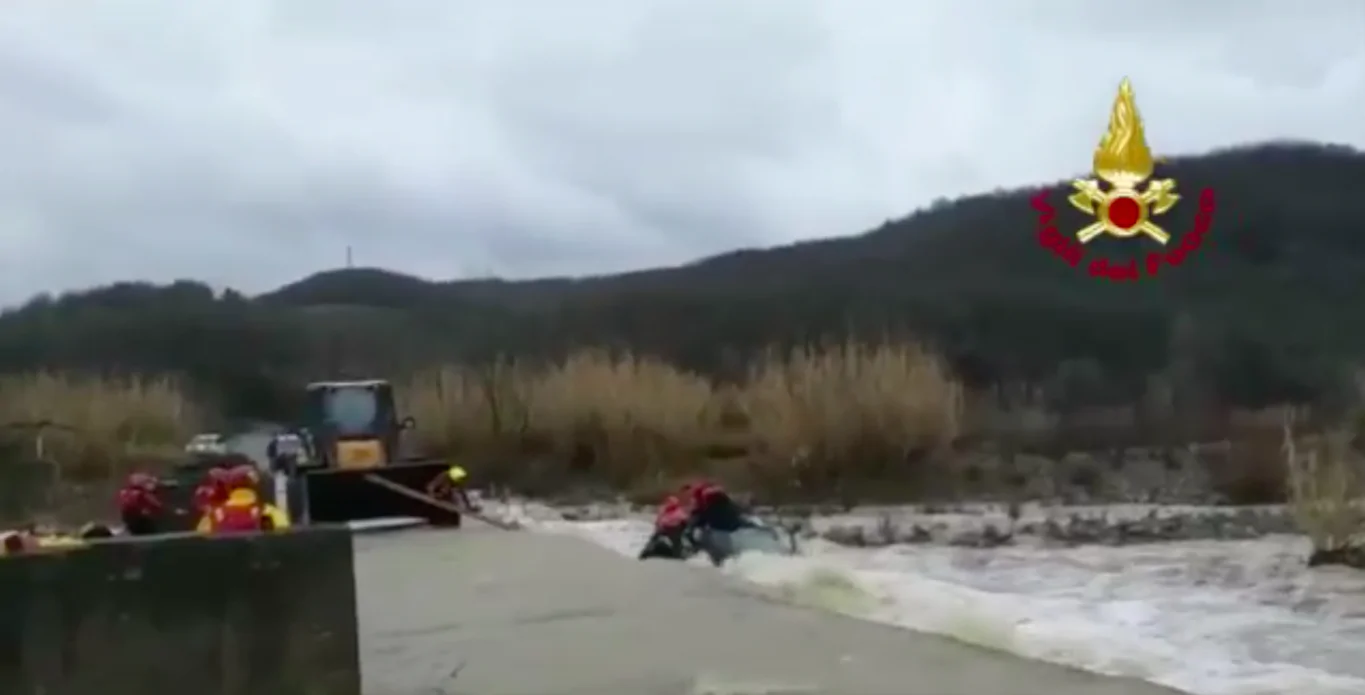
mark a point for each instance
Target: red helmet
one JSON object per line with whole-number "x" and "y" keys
{"x": 701, "y": 489}
{"x": 218, "y": 474}
{"x": 242, "y": 477}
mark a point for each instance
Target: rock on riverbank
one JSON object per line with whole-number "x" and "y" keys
{"x": 1117, "y": 525}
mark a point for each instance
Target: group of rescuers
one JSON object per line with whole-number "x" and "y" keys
{"x": 683, "y": 518}
{"x": 228, "y": 501}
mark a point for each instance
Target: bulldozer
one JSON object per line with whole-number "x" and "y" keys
{"x": 355, "y": 468}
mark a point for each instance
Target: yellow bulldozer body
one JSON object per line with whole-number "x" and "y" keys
{"x": 360, "y": 473}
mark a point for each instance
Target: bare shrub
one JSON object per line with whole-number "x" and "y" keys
{"x": 1325, "y": 481}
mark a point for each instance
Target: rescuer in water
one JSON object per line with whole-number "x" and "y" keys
{"x": 713, "y": 508}
{"x": 243, "y": 511}
{"x": 669, "y": 539}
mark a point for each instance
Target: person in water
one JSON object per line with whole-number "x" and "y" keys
{"x": 669, "y": 539}
{"x": 713, "y": 508}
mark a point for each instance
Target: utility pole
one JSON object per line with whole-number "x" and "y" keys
{"x": 349, "y": 263}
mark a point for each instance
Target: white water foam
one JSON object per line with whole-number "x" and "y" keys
{"x": 1211, "y": 618}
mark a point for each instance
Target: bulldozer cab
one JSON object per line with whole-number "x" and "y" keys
{"x": 354, "y": 423}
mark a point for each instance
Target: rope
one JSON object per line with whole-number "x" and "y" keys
{"x": 439, "y": 504}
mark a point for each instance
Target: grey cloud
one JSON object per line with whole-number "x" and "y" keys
{"x": 249, "y": 142}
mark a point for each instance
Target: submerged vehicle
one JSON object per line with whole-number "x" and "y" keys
{"x": 752, "y": 536}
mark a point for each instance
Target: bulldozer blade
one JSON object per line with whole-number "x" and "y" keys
{"x": 354, "y": 495}
{"x": 439, "y": 504}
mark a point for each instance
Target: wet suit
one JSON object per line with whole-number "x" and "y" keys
{"x": 212, "y": 492}
{"x": 669, "y": 540}
{"x": 715, "y": 519}
{"x": 452, "y": 486}
{"x": 714, "y": 509}
{"x": 139, "y": 505}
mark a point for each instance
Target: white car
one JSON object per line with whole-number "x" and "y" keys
{"x": 206, "y": 443}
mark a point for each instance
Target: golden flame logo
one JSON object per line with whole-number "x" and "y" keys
{"x": 1124, "y": 161}
{"x": 1123, "y": 158}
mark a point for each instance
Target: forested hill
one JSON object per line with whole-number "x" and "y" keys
{"x": 1266, "y": 308}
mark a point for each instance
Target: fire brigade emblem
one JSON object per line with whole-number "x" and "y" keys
{"x": 1124, "y": 209}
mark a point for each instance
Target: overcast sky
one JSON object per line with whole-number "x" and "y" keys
{"x": 249, "y": 142}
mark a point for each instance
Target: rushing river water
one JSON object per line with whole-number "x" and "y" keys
{"x": 1211, "y": 618}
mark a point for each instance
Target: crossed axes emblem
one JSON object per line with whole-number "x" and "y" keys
{"x": 1090, "y": 198}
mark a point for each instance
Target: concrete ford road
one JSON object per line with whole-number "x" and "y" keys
{"x": 487, "y": 612}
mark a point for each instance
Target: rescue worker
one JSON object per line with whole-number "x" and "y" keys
{"x": 242, "y": 511}
{"x": 452, "y": 485}
{"x": 212, "y": 492}
{"x": 286, "y": 452}
{"x": 713, "y": 508}
{"x": 138, "y": 504}
{"x": 669, "y": 539}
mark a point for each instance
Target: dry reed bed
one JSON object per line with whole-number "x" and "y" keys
{"x": 630, "y": 421}
{"x": 807, "y": 419}
{"x": 90, "y": 424}
{"x": 802, "y": 417}
{"x": 1327, "y": 486}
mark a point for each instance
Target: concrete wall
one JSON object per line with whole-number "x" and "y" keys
{"x": 267, "y": 615}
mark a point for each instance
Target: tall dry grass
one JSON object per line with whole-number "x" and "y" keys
{"x": 850, "y": 412}
{"x": 613, "y": 418}
{"x": 1326, "y": 485}
{"x": 90, "y": 425}
{"x": 637, "y": 422}
{"x": 623, "y": 420}
{"x": 65, "y": 440}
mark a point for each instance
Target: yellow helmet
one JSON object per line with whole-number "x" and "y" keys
{"x": 456, "y": 474}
